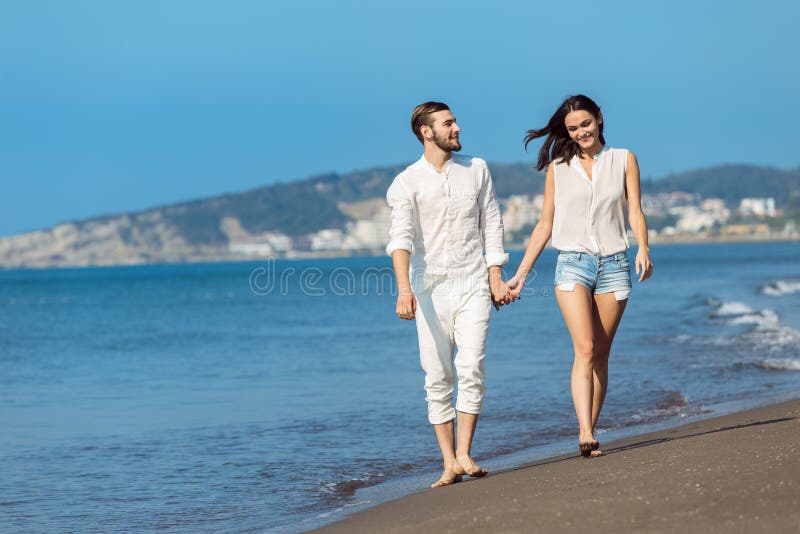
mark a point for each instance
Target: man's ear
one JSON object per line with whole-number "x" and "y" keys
{"x": 426, "y": 132}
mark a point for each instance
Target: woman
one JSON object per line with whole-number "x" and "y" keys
{"x": 586, "y": 189}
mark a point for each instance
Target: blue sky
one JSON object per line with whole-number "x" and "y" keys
{"x": 120, "y": 106}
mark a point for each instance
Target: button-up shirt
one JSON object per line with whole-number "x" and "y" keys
{"x": 447, "y": 220}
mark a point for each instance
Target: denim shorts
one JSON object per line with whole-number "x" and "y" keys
{"x": 599, "y": 274}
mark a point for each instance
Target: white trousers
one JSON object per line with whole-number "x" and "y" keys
{"x": 446, "y": 319}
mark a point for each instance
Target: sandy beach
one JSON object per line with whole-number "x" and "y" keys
{"x": 734, "y": 473}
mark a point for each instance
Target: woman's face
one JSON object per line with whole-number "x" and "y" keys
{"x": 584, "y": 129}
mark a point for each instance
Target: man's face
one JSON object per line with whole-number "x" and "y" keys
{"x": 445, "y": 131}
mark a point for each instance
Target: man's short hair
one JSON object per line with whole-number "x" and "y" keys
{"x": 421, "y": 116}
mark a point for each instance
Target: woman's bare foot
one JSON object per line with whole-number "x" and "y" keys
{"x": 596, "y": 450}
{"x": 448, "y": 477}
{"x": 587, "y": 444}
{"x": 464, "y": 465}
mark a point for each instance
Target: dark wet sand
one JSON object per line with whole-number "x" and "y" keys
{"x": 735, "y": 473}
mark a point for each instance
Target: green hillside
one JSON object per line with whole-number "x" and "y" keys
{"x": 306, "y": 206}
{"x": 731, "y": 183}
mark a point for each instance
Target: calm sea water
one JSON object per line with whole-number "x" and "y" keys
{"x": 283, "y": 395}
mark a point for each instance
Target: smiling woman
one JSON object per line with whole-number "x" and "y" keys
{"x": 587, "y": 189}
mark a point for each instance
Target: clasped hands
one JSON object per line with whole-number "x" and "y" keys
{"x": 503, "y": 293}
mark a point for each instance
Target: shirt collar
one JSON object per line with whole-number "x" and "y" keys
{"x": 576, "y": 160}
{"x": 427, "y": 164}
{"x": 605, "y": 149}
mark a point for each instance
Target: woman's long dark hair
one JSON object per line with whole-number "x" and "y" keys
{"x": 559, "y": 145}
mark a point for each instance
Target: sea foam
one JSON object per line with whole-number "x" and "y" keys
{"x": 780, "y": 288}
{"x": 731, "y": 308}
{"x": 780, "y": 364}
{"x": 766, "y": 332}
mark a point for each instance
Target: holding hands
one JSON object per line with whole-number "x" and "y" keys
{"x": 502, "y": 293}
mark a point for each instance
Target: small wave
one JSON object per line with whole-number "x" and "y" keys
{"x": 670, "y": 404}
{"x": 779, "y": 364}
{"x": 780, "y": 288}
{"x": 766, "y": 336}
{"x": 680, "y": 339}
{"x": 347, "y": 488}
{"x": 406, "y": 468}
{"x": 767, "y": 332}
{"x": 726, "y": 309}
{"x": 766, "y": 318}
{"x": 702, "y": 299}
{"x": 671, "y": 400}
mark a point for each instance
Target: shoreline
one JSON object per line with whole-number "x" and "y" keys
{"x": 377, "y": 253}
{"x": 736, "y": 472}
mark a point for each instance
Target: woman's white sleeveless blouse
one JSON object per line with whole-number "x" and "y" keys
{"x": 590, "y": 214}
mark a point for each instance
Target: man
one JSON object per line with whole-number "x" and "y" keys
{"x": 444, "y": 216}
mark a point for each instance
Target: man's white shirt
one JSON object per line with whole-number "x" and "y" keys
{"x": 449, "y": 221}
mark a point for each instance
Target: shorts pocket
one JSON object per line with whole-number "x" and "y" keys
{"x": 568, "y": 257}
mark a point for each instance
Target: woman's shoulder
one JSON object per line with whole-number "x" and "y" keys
{"x": 624, "y": 156}
{"x": 624, "y": 152}
{"x": 559, "y": 162}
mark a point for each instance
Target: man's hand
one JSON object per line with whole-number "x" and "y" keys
{"x": 498, "y": 288}
{"x": 406, "y": 304}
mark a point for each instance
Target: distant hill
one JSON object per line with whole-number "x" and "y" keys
{"x": 201, "y": 230}
{"x": 306, "y": 206}
{"x": 731, "y": 183}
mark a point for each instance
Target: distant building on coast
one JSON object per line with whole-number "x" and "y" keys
{"x": 252, "y": 249}
{"x": 328, "y": 239}
{"x": 521, "y": 211}
{"x": 267, "y": 245}
{"x": 760, "y": 207}
{"x": 745, "y": 230}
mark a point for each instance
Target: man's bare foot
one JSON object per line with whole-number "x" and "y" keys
{"x": 448, "y": 477}
{"x": 464, "y": 465}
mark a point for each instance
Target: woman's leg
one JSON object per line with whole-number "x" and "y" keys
{"x": 576, "y": 307}
{"x": 606, "y": 316}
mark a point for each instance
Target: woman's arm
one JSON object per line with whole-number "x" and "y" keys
{"x": 539, "y": 236}
{"x": 644, "y": 267}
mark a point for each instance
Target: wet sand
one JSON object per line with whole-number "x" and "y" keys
{"x": 735, "y": 473}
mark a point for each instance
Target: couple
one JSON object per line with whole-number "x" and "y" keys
{"x": 446, "y": 244}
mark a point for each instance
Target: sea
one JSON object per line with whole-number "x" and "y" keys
{"x": 278, "y": 396}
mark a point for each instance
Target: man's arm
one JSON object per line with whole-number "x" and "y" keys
{"x": 406, "y": 301}
{"x": 491, "y": 226}
{"x": 401, "y": 246}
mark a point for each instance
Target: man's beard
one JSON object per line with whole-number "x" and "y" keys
{"x": 446, "y": 143}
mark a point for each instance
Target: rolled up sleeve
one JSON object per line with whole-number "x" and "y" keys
{"x": 491, "y": 223}
{"x": 401, "y": 231}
